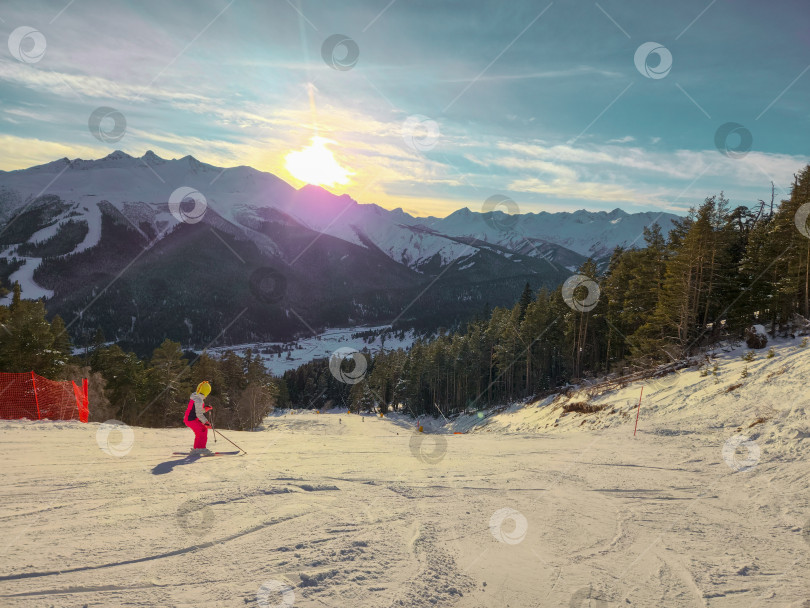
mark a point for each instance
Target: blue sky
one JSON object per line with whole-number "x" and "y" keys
{"x": 448, "y": 103}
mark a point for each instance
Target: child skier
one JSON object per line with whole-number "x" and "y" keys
{"x": 195, "y": 417}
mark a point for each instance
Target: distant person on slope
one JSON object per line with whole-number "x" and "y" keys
{"x": 195, "y": 417}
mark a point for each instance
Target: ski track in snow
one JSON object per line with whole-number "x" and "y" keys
{"x": 25, "y": 277}
{"x": 362, "y": 511}
{"x": 89, "y": 212}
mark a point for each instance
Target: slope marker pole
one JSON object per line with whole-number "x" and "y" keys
{"x": 36, "y": 397}
{"x": 638, "y": 409}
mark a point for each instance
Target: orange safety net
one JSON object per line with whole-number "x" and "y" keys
{"x": 28, "y": 395}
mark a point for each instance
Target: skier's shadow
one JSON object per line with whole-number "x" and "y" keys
{"x": 168, "y": 466}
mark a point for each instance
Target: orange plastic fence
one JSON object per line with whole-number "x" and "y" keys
{"x": 28, "y": 395}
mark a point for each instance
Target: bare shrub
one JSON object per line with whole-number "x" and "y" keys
{"x": 582, "y": 407}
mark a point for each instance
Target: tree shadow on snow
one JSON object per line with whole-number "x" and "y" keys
{"x": 168, "y": 466}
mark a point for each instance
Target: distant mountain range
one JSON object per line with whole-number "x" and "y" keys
{"x": 109, "y": 245}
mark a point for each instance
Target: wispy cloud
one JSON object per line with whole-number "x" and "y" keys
{"x": 677, "y": 164}
{"x": 239, "y": 95}
{"x": 24, "y": 152}
{"x": 622, "y": 140}
{"x": 66, "y": 84}
{"x": 581, "y": 190}
{"x": 573, "y": 72}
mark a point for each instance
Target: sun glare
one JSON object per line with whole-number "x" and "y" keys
{"x": 316, "y": 164}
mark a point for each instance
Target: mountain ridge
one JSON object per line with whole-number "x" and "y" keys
{"x": 371, "y": 264}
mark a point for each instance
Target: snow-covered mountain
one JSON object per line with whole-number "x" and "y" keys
{"x": 241, "y": 194}
{"x": 70, "y": 229}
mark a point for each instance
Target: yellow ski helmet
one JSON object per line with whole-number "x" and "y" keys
{"x": 204, "y": 388}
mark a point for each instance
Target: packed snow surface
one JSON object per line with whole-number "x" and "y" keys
{"x": 527, "y": 507}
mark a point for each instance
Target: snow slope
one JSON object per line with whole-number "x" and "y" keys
{"x": 760, "y": 397}
{"x": 86, "y": 210}
{"x": 24, "y": 275}
{"x": 343, "y": 510}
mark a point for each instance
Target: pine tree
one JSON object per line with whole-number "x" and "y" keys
{"x": 685, "y": 302}
{"x": 126, "y": 382}
{"x": 526, "y": 298}
{"x": 793, "y": 288}
{"x": 580, "y": 342}
{"x": 170, "y": 384}
{"x": 63, "y": 349}
{"x": 26, "y": 339}
{"x": 775, "y": 268}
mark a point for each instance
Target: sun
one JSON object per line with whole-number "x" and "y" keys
{"x": 316, "y": 164}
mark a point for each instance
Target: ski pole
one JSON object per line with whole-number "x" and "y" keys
{"x": 228, "y": 440}
{"x": 212, "y": 426}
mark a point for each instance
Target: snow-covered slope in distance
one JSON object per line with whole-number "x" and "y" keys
{"x": 296, "y": 353}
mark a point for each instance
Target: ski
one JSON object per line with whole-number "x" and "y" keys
{"x": 206, "y": 455}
